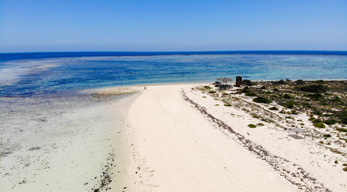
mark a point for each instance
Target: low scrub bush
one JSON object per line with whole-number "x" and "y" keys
{"x": 247, "y": 82}
{"x": 317, "y": 121}
{"x": 273, "y": 108}
{"x": 343, "y": 116}
{"x": 341, "y": 129}
{"x": 315, "y": 88}
{"x": 326, "y": 135}
{"x": 252, "y": 126}
{"x": 289, "y": 104}
{"x": 262, "y": 100}
{"x": 319, "y": 125}
{"x": 330, "y": 121}
{"x": 212, "y": 92}
{"x": 316, "y": 96}
{"x": 251, "y": 94}
{"x": 286, "y": 96}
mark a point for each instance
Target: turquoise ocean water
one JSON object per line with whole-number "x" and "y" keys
{"x": 36, "y": 74}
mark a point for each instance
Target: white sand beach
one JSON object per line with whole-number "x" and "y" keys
{"x": 163, "y": 138}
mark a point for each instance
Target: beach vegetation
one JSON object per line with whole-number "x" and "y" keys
{"x": 289, "y": 104}
{"x": 212, "y": 91}
{"x": 317, "y": 112}
{"x": 341, "y": 129}
{"x": 280, "y": 82}
{"x": 294, "y": 112}
{"x": 251, "y": 94}
{"x": 299, "y": 82}
{"x": 319, "y": 125}
{"x": 227, "y": 105}
{"x": 247, "y": 82}
{"x": 317, "y": 121}
{"x": 330, "y": 121}
{"x": 262, "y": 100}
{"x": 315, "y": 88}
{"x": 345, "y": 169}
{"x": 276, "y": 89}
{"x": 306, "y": 105}
{"x": 316, "y": 96}
{"x": 273, "y": 108}
{"x": 286, "y": 96}
{"x": 252, "y": 126}
{"x": 343, "y": 116}
{"x": 326, "y": 135}
{"x": 260, "y": 124}
{"x": 246, "y": 90}
{"x": 263, "y": 87}
{"x": 320, "y": 82}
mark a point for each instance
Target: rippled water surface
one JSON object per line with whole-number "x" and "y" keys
{"x": 36, "y": 76}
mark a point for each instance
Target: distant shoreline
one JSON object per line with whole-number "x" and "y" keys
{"x": 37, "y": 55}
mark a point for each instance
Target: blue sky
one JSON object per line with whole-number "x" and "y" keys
{"x": 163, "y": 25}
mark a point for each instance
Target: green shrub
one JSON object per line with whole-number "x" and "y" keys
{"x": 343, "y": 116}
{"x": 262, "y": 100}
{"x": 336, "y": 99}
{"x": 212, "y": 92}
{"x": 207, "y": 87}
{"x": 227, "y": 104}
{"x": 307, "y": 105}
{"x": 286, "y": 96}
{"x": 275, "y": 89}
{"x": 311, "y": 118}
{"x": 315, "y": 88}
{"x": 330, "y": 121}
{"x": 280, "y": 82}
{"x": 273, "y": 108}
{"x": 341, "y": 129}
{"x": 246, "y": 90}
{"x": 326, "y": 135}
{"x": 251, "y": 94}
{"x": 299, "y": 82}
{"x": 247, "y": 82}
{"x": 260, "y": 124}
{"x": 317, "y": 112}
{"x": 289, "y": 104}
{"x": 317, "y": 121}
{"x": 316, "y": 96}
{"x": 345, "y": 169}
{"x": 319, "y": 125}
{"x": 294, "y": 112}
{"x": 263, "y": 87}
{"x": 252, "y": 126}
{"x": 320, "y": 82}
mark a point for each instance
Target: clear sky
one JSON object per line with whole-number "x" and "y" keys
{"x": 172, "y": 25}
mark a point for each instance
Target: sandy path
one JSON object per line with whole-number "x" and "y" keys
{"x": 174, "y": 148}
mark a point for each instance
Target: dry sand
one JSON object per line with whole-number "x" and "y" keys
{"x": 175, "y": 148}
{"x": 155, "y": 140}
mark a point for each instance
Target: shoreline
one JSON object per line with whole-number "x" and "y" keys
{"x": 157, "y": 140}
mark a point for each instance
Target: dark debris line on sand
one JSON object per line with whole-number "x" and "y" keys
{"x": 107, "y": 174}
{"x": 300, "y": 178}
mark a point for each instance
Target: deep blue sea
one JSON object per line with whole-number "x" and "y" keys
{"x": 37, "y": 74}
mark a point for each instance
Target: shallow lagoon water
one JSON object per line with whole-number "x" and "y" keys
{"x": 66, "y": 75}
